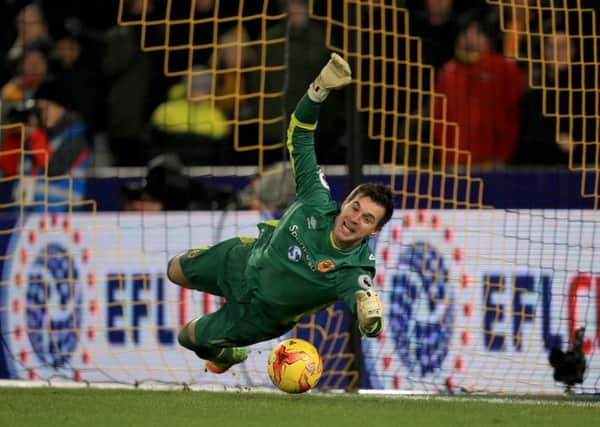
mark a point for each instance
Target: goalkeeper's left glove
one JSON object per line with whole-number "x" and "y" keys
{"x": 334, "y": 75}
{"x": 370, "y": 312}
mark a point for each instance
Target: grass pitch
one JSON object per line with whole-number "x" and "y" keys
{"x": 23, "y": 407}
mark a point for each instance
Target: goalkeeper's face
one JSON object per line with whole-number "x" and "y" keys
{"x": 358, "y": 219}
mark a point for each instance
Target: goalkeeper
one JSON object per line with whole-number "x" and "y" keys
{"x": 315, "y": 255}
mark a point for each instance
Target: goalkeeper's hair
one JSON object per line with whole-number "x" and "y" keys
{"x": 381, "y": 194}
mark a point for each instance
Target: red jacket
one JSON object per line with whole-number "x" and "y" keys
{"x": 11, "y": 149}
{"x": 483, "y": 100}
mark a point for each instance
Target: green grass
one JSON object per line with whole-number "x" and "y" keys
{"x": 22, "y": 407}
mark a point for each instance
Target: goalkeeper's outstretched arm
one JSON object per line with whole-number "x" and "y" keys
{"x": 310, "y": 184}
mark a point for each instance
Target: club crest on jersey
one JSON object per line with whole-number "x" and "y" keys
{"x": 192, "y": 253}
{"x": 365, "y": 281}
{"x": 325, "y": 266}
{"x": 294, "y": 253}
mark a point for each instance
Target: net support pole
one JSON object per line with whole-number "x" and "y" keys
{"x": 354, "y": 160}
{"x": 354, "y": 153}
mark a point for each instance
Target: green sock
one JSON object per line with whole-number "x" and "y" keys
{"x": 231, "y": 355}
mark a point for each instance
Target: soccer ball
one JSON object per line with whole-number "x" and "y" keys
{"x": 295, "y": 366}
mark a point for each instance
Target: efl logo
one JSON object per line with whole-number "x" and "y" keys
{"x": 419, "y": 265}
{"x": 53, "y": 304}
{"x": 513, "y": 302}
{"x": 49, "y": 268}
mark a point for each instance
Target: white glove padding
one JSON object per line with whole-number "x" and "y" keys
{"x": 369, "y": 311}
{"x": 334, "y": 75}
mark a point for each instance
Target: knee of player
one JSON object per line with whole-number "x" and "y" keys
{"x": 182, "y": 338}
{"x": 170, "y": 267}
{"x": 174, "y": 271}
{"x": 187, "y": 335}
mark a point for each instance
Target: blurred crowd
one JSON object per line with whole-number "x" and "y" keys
{"x": 90, "y": 95}
{"x": 521, "y": 96}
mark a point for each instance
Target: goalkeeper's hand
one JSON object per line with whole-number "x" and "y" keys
{"x": 370, "y": 312}
{"x": 334, "y": 75}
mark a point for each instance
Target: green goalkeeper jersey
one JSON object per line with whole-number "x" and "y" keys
{"x": 294, "y": 268}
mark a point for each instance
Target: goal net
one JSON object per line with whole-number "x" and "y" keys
{"x": 477, "y": 296}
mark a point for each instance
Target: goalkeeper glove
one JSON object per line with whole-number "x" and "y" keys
{"x": 370, "y": 313}
{"x": 334, "y": 75}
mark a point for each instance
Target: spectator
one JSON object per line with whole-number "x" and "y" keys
{"x": 167, "y": 187}
{"x": 31, "y": 27}
{"x": 436, "y": 26}
{"x": 519, "y": 19}
{"x": 135, "y": 86}
{"x": 300, "y": 52}
{"x": 191, "y": 123}
{"x": 32, "y": 69}
{"x": 76, "y": 77}
{"x": 551, "y": 114}
{"x": 7, "y": 36}
{"x": 483, "y": 90}
{"x": 193, "y": 113}
{"x": 202, "y": 22}
{"x": 296, "y": 51}
{"x": 59, "y": 153}
{"x": 90, "y": 19}
{"x": 273, "y": 191}
{"x": 236, "y": 82}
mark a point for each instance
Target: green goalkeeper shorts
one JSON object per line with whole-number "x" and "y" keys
{"x": 219, "y": 270}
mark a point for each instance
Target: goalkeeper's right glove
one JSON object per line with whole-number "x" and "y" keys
{"x": 334, "y": 75}
{"x": 369, "y": 311}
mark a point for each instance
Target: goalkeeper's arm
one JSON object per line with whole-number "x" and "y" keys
{"x": 369, "y": 311}
{"x": 311, "y": 186}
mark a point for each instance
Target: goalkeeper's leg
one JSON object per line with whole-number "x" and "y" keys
{"x": 195, "y": 269}
{"x": 202, "y": 268}
{"x": 220, "y": 337}
{"x": 218, "y": 358}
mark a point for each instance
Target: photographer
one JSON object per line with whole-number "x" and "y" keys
{"x": 167, "y": 187}
{"x": 51, "y": 175}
